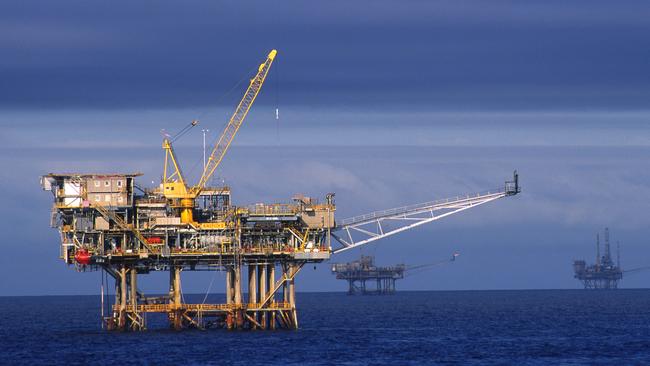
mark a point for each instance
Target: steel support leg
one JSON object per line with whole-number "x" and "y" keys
{"x": 252, "y": 290}
{"x": 262, "y": 277}
{"x": 270, "y": 269}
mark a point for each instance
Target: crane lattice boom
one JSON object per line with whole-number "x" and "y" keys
{"x": 363, "y": 229}
{"x": 234, "y": 123}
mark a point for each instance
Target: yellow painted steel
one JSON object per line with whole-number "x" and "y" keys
{"x": 235, "y": 122}
{"x": 166, "y": 308}
{"x": 304, "y": 240}
{"x": 213, "y": 225}
{"x": 174, "y": 185}
{"x": 187, "y": 206}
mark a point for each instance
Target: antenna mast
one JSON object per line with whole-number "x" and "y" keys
{"x": 597, "y": 249}
{"x": 608, "y": 255}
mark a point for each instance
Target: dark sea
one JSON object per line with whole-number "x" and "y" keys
{"x": 546, "y": 327}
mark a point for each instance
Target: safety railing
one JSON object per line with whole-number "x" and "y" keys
{"x": 277, "y": 209}
{"x": 418, "y": 207}
{"x": 165, "y": 308}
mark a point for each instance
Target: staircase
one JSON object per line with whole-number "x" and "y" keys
{"x": 110, "y": 215}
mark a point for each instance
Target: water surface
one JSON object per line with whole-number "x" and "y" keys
{"x": 408, "y": 328}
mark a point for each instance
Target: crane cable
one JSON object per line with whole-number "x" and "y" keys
{"x": 425, "y": 267}
{"x": 223, "y": 96}
{"x": 214, "y": 275}
{"x": 184, "y": 130}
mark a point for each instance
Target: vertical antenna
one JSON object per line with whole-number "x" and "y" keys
{"x": 608, "y": 254}
{"x": 204, "y": 131}
{"x": 597, "y": 249}
{"x": 277, "y": 101}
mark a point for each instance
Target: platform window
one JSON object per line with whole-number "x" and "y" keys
{"x": 107, "y": 198}
{"x": 119, "y": 199}
{"x": 107, "y": 183}
{"x": 97, "y": 183}
{"x": 98, "y": 197}
{"x": 119, "y": 183}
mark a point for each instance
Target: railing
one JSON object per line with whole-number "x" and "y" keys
{"x": 165, "y": 308}
{"x": 109, "y": 215}
{"x": 277, "y": 209}
{"x": 417, "y": 207}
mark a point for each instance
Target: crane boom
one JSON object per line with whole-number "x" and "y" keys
{"x": 363, "y": 229}
{"x": 427, "y": 265}
{"x": 234, "y": 123}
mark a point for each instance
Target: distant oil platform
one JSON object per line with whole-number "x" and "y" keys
{"x": 604, "y": 274}
{"x": 364, "y": 270}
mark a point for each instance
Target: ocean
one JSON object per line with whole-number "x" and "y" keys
{"x": 532, "y": 327}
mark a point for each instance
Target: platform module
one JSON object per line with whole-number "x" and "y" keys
{"x": 604, "y": 274}
{"x": 363, "y": 271}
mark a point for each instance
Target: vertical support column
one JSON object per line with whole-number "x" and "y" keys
{"x": 285, "y": 295}
{"x": 176, "y": 316}
{"x": 237, "y": 316}
{"x": 285, "y": 287}
{"x": 252, "y": 284}
{"x": 237, "y": 284}
{"x": 271, "y": 285}
{"x": 229, "y": 295}
{"x": 117, "y": 291}
{"x": 177, "y": 286}
{"x": 112, "y": 324}
{"x": 122, "y": 317}
{"x": 252, "y": 290}
{"x": 123, "y": 288}
{"x": 228, "y": 285}
{"x": 261, "y": 275}
{"x": 134, "y": 288}
{"x": 292, "y": 294}
{"x": 137, "y": 320}
{"x": 292, "y": 286}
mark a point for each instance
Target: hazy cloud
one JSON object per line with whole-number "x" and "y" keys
{"x": 443, "y": 54}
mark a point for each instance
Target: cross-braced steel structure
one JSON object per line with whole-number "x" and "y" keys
{"x": 108, "y": 222}
{"x": 363, "y": 229}
{"x": 359, "y": 273}
{"x": 604, "y": 274}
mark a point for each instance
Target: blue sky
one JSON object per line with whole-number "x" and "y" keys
{"x": 386, "y": 103}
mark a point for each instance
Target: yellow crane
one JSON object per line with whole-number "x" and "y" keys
{"x": 174, "y": 184}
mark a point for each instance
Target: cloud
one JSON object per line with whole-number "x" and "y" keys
{"x": 568, "y": 194}
{"x": 383, "y": 104}
{"x": 111, "y": 129}
{"x": 449, "y": 55}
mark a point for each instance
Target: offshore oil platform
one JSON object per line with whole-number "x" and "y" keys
{"x": 108, "y": 222}
{"x": 604, "y": 274}
{"x": 364, "y": 270}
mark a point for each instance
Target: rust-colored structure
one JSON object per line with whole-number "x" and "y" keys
{"x": 106, "y": 224}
